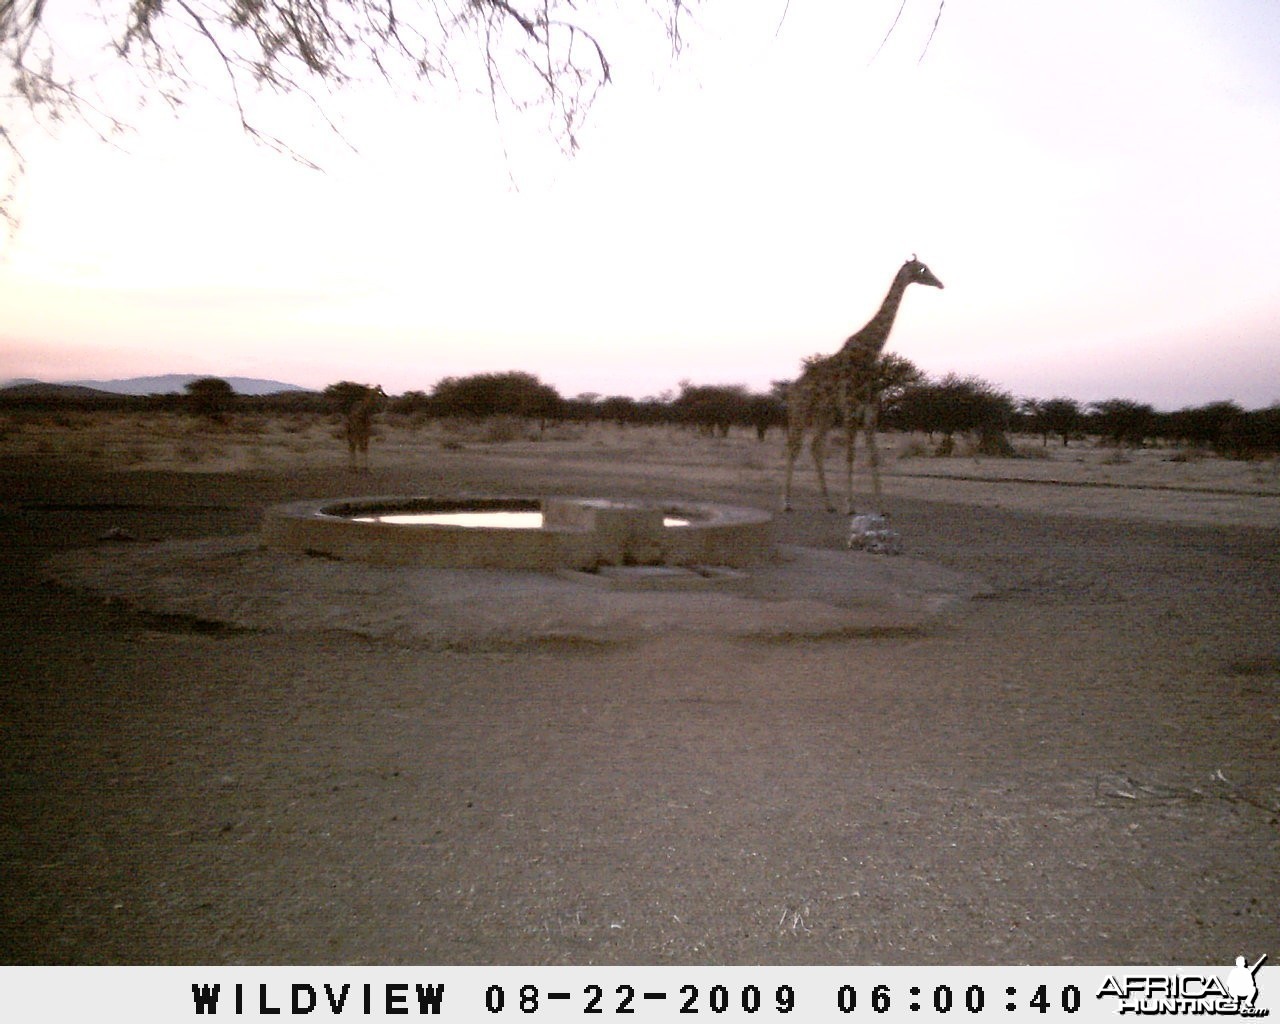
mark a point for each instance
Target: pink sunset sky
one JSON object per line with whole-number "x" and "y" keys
{"x": 1094, "y": 182}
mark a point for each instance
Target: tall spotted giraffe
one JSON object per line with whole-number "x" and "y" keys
{"x": 360, "y": 424}
{"x": 841, "y": 387}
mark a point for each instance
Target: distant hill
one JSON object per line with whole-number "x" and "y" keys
{"x": 169, "y": 383}
{"x": 40, "y": 390}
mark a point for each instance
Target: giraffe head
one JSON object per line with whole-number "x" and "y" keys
{"x": 917, "y": 273}
{"x": 363, "y": 399}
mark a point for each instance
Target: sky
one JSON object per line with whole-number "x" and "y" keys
{"x": 1095, "y": 183}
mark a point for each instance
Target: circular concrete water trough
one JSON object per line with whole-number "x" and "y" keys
{"x": 521, "y": 533}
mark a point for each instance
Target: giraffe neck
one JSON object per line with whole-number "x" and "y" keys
{"x": 870, "y": 340}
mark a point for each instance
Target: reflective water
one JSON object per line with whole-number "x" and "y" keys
{"x": 498, "y": 520}
{"x": 502, "y": 520}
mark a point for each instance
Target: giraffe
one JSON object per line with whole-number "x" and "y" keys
{"x": 360, "y": 422}
{"x": 842, "y": 387}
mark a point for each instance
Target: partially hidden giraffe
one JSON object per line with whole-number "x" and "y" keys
{"x": 841, "y": 388}
{"x": 360, "y": 425}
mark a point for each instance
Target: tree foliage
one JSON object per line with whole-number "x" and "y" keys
{"x": 346, "y": 394}
{"x": 627, "y": 411}
{"x": 1123, "y": 421}
{"x": 210, "y": 396}
{"x": 911, "y": 401}
{"x": 956, "y": 405}
{"x": 1060, "y": 417}
{"x": 895, "y": 376}
{"x": 961, "y": 404}
{"x": 1202, "y": 425}
{"x": 712, "y": 408}
{"x": 1251, "y": 434}
{"x": 514, "y": 393}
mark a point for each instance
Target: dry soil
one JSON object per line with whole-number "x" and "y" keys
{"x": 1078, "y": 765}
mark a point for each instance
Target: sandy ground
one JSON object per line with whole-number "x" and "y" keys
{"x": 1076, "y": 764}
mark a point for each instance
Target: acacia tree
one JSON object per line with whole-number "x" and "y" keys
{"x": 513, "y": 393}
{"x": 1203, "y": 425}
{"x": 767, "y": 410}
{"x": 343, "y": 396}
{"x": 1123, "y": 421}
{"x": 894, "y": 375}
{"x": 1060, "y": 416}
{"x": 210, "y": 396}
{"x": 712, "y": 408}
{"x": 957, "y": 405}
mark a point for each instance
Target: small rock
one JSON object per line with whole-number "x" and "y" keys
{"x": 871, "y": 532}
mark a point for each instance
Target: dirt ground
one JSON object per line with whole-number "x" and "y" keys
{"x": 1077, "y": 765}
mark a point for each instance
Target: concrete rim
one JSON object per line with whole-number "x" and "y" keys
{"x": 577, "y": 533}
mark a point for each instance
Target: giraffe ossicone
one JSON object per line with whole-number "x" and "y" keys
{"x": 842, "y": 388}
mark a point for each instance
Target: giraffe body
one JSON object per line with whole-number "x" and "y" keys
{"x": 841, "y": 389}
{"x": 360, "y": 426}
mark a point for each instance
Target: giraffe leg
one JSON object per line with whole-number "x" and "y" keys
{"x": 795, "y": 441}
{"x": 874, "y": 455}
{"x": 850, "y": 443}
{"x": 819, "y": 448}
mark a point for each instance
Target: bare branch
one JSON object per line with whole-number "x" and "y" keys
{"x": 901, "y": 8}
{"x": 936, "y": 19}
{"x": 785, "y": 11}
{"x": 524, "y": 54}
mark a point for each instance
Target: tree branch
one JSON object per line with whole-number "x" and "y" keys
{"x": 936, "y": 19}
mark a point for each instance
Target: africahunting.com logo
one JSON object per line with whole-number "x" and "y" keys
{"x": 1153, "y": 994}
